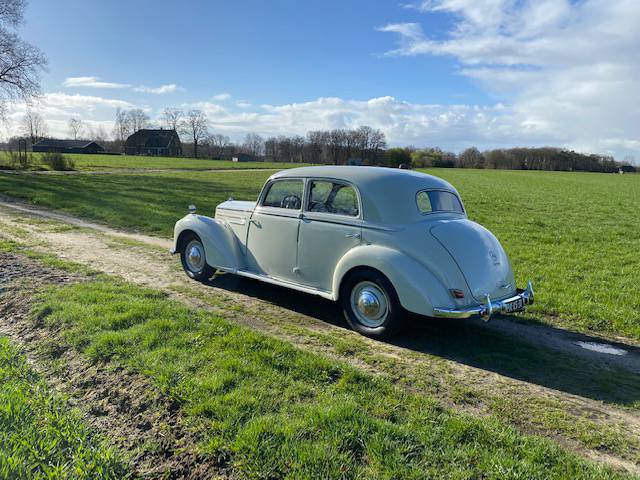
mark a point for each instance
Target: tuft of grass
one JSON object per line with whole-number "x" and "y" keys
{"x": 40, "y": 438}
{"x": 270, "y": 410}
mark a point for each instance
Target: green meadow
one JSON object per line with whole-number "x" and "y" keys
{"x": 85, "y": 162}
{"x": 575, "y": 235}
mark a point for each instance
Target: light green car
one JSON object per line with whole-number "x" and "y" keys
{"x": 381, "y": 241}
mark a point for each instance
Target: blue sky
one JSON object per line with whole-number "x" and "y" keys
{"x": 436, "y": 72}
{"x": 265, "y": 52}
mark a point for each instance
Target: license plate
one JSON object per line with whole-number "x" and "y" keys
{"x": 514, "y": 306}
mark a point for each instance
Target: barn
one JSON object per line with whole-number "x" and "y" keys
{"x": 67, "y": 146}
{"x": 161, "y": 142}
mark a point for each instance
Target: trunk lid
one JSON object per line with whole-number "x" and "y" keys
{"x": 479, "y": 255}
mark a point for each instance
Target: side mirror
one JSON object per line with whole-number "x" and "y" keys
{"x": 192, "y": 209}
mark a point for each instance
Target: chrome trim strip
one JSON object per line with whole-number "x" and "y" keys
{"x": 277, "y": 212}
{"x": 235, "y": 209}
{"x": 284, "y": 283}
{"x": 488, "y": 308}
{"x": 338, "y": 220}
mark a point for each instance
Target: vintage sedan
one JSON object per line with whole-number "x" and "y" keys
{"x": 381, "y": 241}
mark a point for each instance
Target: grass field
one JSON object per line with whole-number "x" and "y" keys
{"x": 573, "y": 234}
{"x": 107, "y": 162}
{"x": 40, "y": 438}
{"x": 270, "y": 410}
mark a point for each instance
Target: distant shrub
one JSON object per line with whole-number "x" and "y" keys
{"x": 394, "y": 157}
{"x": 57, "y": 161}
{"x": 18, "y": 161}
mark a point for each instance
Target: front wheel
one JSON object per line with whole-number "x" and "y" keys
{"x": 193, "y": 259}
{"x": 371, "y": 305}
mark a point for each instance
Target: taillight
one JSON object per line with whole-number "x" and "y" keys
{"x": 456, "y": 293}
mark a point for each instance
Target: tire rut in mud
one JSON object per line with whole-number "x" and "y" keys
{"x": 122, "y": 406}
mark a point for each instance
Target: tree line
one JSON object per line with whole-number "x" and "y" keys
{"x": 520, "y": 158}
{"x": 360, "y": 146}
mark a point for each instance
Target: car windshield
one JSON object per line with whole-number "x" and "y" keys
{"x": 438, "y": 201}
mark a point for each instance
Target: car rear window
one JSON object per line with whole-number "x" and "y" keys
{"x": 438, "y": 201}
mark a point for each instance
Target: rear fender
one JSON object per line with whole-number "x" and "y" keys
{"x": 418, "y": 288}
{"x": 221, "y": 247}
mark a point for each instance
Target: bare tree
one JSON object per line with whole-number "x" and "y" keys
{"x": 316, "y": 140}
{"x": 254, "y": 144}
{"x": 20, "y": 62}
{"x": 137, "y": 119}
{"x": 218, "y": 143}
{"x": 100, "y": 135}
{"x": 75, "y": 127}
{"x": 337, "y": 141}
{"x": 370, "y": 143}
{"x": 172, "y": 118}
{"x": 34, "y": 126}
{"x": 120, "y": 128}
{"x": 470, "y": 158}
{"x": 195, "y": 125}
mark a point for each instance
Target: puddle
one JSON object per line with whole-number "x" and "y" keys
{"x": 602, "y": 348}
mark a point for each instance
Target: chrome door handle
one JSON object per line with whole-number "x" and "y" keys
{"x": 353, "y": 235}
{"x": 255, "y": 222}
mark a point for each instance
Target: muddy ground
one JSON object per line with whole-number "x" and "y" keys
{"x": 442, "y": 358}
{"x": 122, "y": 406}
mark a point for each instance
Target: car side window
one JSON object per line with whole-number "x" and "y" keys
{"x": 284, "y": 194}
{"x": 333, "y": 197}
{"x": 424, "y": 202}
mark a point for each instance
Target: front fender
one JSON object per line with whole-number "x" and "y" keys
{"x": 221, "y": 247}
{"x": 418, "y": 288}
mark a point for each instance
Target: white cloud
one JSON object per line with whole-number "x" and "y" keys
{"x": 452, "y": 127}
{"x": 449, "y": 126}
{"x": 58, "y": 107}
{"x": 86, "y": 102}
{"x": 567, "y": 70}
{"x": 91, "y": 82}
{"x": 170, "y": 88}
{"x": 221, "y": 97}
{"x": 243, "y": 104}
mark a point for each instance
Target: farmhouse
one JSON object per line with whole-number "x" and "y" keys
{"x": 154, "y": 142}
{"x": 67, "y": 146}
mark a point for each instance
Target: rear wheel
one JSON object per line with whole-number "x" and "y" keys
{"x": 371, "y": 305}
{"x": 193, "y": 259}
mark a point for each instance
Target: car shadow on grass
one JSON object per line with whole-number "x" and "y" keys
{"x": 527, "y": 351}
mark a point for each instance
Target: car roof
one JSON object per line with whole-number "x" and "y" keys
{"x": 363, "y": 175}
{"x": 387, "y": 194}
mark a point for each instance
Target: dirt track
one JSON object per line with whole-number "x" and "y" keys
{"x": 129, "y": 412}
{"x": 433, "y": 357}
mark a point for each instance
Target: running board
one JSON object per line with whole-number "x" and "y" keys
{"x": 283, "y": 283}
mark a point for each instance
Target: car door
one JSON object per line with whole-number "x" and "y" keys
{"x": 331, "y": 226}
{"x": 272, "y": 239}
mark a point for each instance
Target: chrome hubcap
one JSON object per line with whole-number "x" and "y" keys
{"x": 370, "y": 304}
{"x": 194, "y": 256}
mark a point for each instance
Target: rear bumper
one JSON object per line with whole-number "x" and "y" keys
{"x": 485, "y": 310}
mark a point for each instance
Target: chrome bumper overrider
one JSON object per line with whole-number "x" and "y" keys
{"x": 488, "y": 308}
